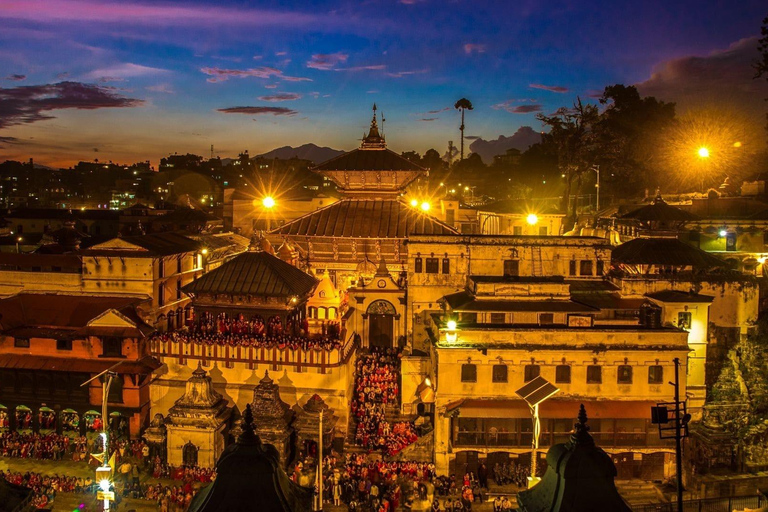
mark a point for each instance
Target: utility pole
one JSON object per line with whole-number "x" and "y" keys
{"x": 678, "y": 437}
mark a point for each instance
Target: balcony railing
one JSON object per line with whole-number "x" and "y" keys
{"x": 524, "y": 439}
{"x": 297, "y": 359}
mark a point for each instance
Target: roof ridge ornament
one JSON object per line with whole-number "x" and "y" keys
{"x": 581, "y": 435}
{"x": 374, "y": 139}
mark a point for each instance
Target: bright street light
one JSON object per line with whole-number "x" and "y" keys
{"x": 268, "y": 202}
{"x": 532, "y": 219}
{"x": 425, "y": 206}
{"x": 703, "y": 152}
{"x": 414, "y": 203}
{"x": 451, "y": 325}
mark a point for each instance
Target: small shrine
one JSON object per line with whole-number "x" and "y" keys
{"x": 379, "y": 303}
{"x": 579, "y": 478}
{"x": 307, "y": 425}
{"x": 274, "y": 417}
{"x": 156, "y": 436}
{"x": 196, "y": 423}
{"x": 323, "y": 308}
{"x": 249, "y": 477}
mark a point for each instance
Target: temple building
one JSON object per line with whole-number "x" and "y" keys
{"x": 275, "y": 417}
{"x": 370, "y": 223}
{"x": 196, "y": 424}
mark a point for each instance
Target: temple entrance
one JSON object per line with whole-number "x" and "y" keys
{"x": 189, "y": 454}
{"x": 381, "y": 322}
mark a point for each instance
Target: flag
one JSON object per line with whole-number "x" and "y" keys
{"x": 113, "y": 462}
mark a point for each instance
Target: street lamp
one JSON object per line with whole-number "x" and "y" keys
{"x": 532, "y": 219}
{"x": 703, "y": 152}
{"x": 425, "y": 206}
{"x": 414, "y": 202}
{"x": 534, "y": 393}
{"x": 268, "y": 203}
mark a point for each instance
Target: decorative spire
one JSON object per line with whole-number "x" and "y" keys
{"x": 581, "y": 435}
{"x": 374, "y": 140}
{"x": 199, "y": 372}
{"x": 248, "y": 436}
{"x": 266, "y": 379}
{"x": 382, "y": 271}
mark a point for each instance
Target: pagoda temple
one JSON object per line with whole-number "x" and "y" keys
{"x": 274, "y": 417}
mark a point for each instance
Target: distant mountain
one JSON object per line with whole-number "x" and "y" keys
{"x": 522, "y": 139}
{"x": 306, "y": 152}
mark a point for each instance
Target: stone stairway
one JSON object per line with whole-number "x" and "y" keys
{"x": 420, "y": 451}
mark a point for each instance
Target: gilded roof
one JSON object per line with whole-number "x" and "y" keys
{"x": 255, "y": 273}
{"x": 366, "y": 218}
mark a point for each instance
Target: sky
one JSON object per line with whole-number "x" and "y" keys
{"x": 128, "y": 81}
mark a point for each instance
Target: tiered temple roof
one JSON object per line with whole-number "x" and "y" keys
{"x": 200, "y": 405}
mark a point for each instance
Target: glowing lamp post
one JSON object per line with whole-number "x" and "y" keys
{"x": 534, "y": 393}
{"x": 703, "y": 152}
{"x": 414, "y": 202}
{"x": 425, "y": 206}
{"x": 532, "y": 219}
{"x": 450, "y": 334}
{"x": 268, "y": 203}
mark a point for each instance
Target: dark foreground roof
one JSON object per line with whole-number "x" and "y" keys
{"x": 366, "y": 218}
{"x": 369, "y": 160}
{"x": 663, "y": 251}
{"x": 16, "y": 498}
{"x": 255, "y": 273}
{"x": 659, "y": 211}
{"x": 249, "y": 478}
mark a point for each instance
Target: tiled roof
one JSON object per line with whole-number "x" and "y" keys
{"x": 369, "y": 160}
{"x": 144, "y": 365}
{"x": 156, "y": 244}
{"x": 255, "y": 273}
{"x": 663, "y": 251}
{"x": 366, "y": 218}
{"x": 464, "y": 301}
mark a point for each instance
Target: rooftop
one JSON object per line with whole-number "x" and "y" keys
{"x": 255, "y": 273}
{"x": 365, "y": 218}
{"x": 663, "y": 251}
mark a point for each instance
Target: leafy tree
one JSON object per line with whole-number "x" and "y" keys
{"x": 571, "y": 133}
{"x": 412, "y": 156}
{"x": 432, "y": 160}
{"x": 629, "y": 134}
{"x": 462, "y": 105}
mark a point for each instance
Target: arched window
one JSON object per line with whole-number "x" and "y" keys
{"x": 312, "y": 312}
{"x": 331, "y": 313}
{"x": 321, "y": 313}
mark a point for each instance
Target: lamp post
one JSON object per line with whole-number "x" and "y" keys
{"x": 268, "y": 203}
{"x": 104, "y": 472}
{"x": 320, "y": 463}
{"x": 534, "y": 393}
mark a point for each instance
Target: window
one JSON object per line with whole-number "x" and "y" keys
{"x": 511, "y": 268}
{"x": 417, "y": 265}
{"x": 594, "y": 374}
{"x": 730, "y": 242}
{"x": 531, "y": 371}
{"x": 624, "y": 375}
{"x": 600, "y": 267}
{"x": 546, "y": 318}
{"x": 446, "y": 266}
{"x": 563, "y": 374}
{"x": 433, "y": 266}
{"x": 572, "y": 268}
{"x": 112, "y": 347}
{"x": 517, "y": 230}
{"x": 468, "y": 373}
{"x": 543, "y": 231}
{"x": 63, "y": 344}
{"x": 450, "y": 217}
{"x": 655, "y": 374}
{"x": 498, "y": 318}
{"x": 585, "y": 268}
{"x": 21, "y": 342}
{"x": 500, "y": 373}
{"x": 684, "y": 320}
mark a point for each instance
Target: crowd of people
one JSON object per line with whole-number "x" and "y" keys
{"x": 224, "y": 330}
{"x": 376, "y": 387}
{"x": 35, "y": 446}
{"x": 511, "y": 472}
{"x": 45, "y": 487}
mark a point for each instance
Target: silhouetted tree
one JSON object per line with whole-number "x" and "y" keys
{"x": 462, "y": 105}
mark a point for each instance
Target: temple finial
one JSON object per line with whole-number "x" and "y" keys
{"x": 581, "y": 433}
{"x": 374, "y": 139}
{"x": 248, "y": 435}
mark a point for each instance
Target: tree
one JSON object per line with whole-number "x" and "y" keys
{"x": 412, "y": 156}
{"x": 571, "y": 132}
{"x": 630, "y": 133}
{"x": 462, "y": 105}
{"x": 761, "y": 65}
{"x": 432, "y": 160}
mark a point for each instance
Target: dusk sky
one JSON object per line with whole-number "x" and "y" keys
{"x": 128, "y": 81}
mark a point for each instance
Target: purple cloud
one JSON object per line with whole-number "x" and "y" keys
{"x": 29, "y": 103}
{"x": 471, "y": 48}
{"x": 401, "y": 74}
{"x": 282, "y": 96}
{"x": 16, "y": 78}
{"x": 519, "y": 109}
{"x": 221, "y": 75}
{"x": 327, "y": 61}
{"x": 551, "y": 88}
{"x": 374, "y": 67}
{"x": 270, "y": 86}
{"x": 275, "y": 111}
{"x": 161, "y": 88}
{"x": 120, "y": 72}
{"x": 8, "y": 140}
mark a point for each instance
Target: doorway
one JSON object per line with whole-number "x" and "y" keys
{"x": 381, "y": 324}
{"x": 189, "y": 454}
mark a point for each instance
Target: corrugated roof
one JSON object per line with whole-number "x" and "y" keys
{"x": 366, "y": 218}
{"x": 67, "y": 262}
{"x": 255, "y": 273}
{"x": 156, "y": 244}
{"x": 663, "y": 251}
{"x": 678, "y": 296}
{"x": 369, "y": 160}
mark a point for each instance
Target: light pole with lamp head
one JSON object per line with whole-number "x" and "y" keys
{"x": 534, "y": 393}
